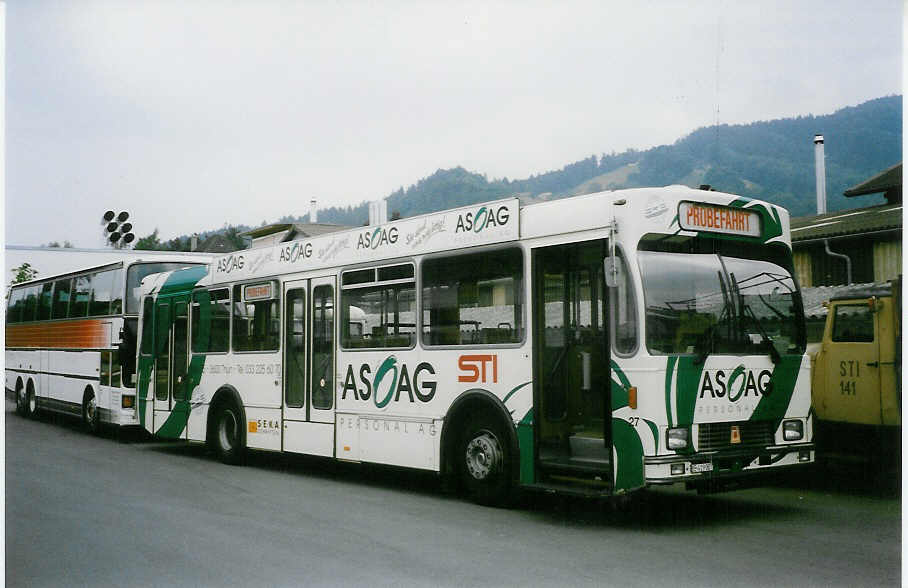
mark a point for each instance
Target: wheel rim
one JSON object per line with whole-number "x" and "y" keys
{"x": 20, "y": 398}
{"x": 483, "y": 455}
{"x": 32, "y": 402}
{"x": 227, "y": 430}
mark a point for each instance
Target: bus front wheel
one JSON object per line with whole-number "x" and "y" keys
{"x": 91, "y": 418}
{"x": 229, "y": 442}
{"x": 485, "y": 462}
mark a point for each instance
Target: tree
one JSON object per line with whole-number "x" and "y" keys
{"x": 149, "y": 242}
{"x": 56, "y": 245}
{"x": 233, "y": 235}
{"x": 23, "y": 273}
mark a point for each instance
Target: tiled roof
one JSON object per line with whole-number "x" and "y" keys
{"x": 847, "y": 222}
{"x": 814, "y": 298}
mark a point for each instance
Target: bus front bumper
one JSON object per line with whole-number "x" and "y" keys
{"x": 710, "y": 471}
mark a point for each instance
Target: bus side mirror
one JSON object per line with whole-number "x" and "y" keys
{"x": 611, "y": 271}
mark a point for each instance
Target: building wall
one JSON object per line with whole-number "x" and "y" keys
{"x": 887, "y": 260}
{"x": 802, "y": 267}
{"x": 872, "y": 260}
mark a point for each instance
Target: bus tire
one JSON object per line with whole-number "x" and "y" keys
{"x": 31, "y": 401}
{"x": 229, "y": 441}
{"x": 20, "y": 398}
{"x": 484, "y": 461}
{"x": 91, "y": 416}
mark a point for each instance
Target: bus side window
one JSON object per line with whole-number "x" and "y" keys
{"x": 473, "y": 299}
{"x": 116, "y": 296}
{"x": 378, "y": 307}
{"x": 14, "y": 308}
{"x": 31, "y": 303}
{"x": 79, "y": 305}
{"x": 256, "y": 324}
{"x": 46, "y": 302}
{"x": 62, "y": 289}
{"x": 101, "y": 294}
{"x": 211, "y": 335}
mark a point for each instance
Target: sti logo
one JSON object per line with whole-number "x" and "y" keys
{"x": 478, "y": 368}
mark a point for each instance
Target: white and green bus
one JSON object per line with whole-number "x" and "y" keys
{"x": 596, "y": 345}
{"x": 71, "y": 338}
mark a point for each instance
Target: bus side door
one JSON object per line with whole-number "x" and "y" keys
{"x": 309, "y": 358}
{"x": 171, "y": 363}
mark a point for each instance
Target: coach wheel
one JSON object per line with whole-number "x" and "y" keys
{"x": 20, "y": 398}
{"x": 485, "y": 462}
{"x": 91, "y": 417}
{"x": 229, "y": 435}
{"x": 31, "y": 401}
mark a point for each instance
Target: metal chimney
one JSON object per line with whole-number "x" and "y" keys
{"x": 313, "y": 211}
{"x": 378, "y": 212}
{"x": 820, "y": 165}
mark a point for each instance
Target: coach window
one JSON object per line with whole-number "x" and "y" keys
{"x": 46, "y": 302}
{"x": 116, "y": 296}
{"x": 14, "y": 308}
{"x": 81, "y": 295}
{"x": 62, "y": 289}
{"x": 378, "y": 307}
{"x": 101, "y": 292}
{"x": 31, "y": 303}
{"x": 623, "y": 311}
{"x": 211, "y": 321}
{"x": 473, "y": 299}
{"x": 256, "y": 317}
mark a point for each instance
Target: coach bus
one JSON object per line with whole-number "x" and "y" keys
{"x": 594, "y": 345}
{"x": 71, "y": 339}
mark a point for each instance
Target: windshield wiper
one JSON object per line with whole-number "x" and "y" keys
{"x": 747, "y": 312}
{"x": 705, "y": 343}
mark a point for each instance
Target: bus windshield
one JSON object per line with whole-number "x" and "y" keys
{"x": 138, "y": 271}
{"x": 718, "y": 302}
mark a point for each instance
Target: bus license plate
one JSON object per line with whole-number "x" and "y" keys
{"x": 699, "y": 468}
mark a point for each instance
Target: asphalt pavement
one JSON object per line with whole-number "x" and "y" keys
{"x": 95, "y": 511}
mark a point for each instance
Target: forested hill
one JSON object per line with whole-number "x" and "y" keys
{"x": 770, "y": 160}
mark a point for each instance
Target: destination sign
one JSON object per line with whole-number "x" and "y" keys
{"x": 257, "y": 292}
{"x": 693, "y": 216}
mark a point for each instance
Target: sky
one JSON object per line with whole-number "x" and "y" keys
{"x": 191, "y": 114}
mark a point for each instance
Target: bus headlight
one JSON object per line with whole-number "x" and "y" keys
{"x": 678, "y": 438}
{"x": 127, "y": 401}
{"x": 793, "y": 430}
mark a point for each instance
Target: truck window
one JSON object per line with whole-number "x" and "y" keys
{"x": 852, "y": 323}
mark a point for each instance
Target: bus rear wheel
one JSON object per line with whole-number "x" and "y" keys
{"x": 20, "y": 398}
{"x": 485, "y": 462}
{"x": 228, "y": 435}
{"x": 31, "y": 402}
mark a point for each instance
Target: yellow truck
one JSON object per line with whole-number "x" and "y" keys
{"x": 856, "y": 379}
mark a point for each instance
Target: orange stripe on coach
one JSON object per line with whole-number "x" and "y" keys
{"x": 82, "y": 334}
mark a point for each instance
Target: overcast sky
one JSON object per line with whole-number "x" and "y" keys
{"x": 193, "y": 114}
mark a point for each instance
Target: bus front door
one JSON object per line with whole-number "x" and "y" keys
{"x": 573, "y": 413}
{"x": 171, "y": 363}
{"x": 309, "y": 331}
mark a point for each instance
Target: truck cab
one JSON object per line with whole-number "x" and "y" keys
{"x": 856, "y": 377}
